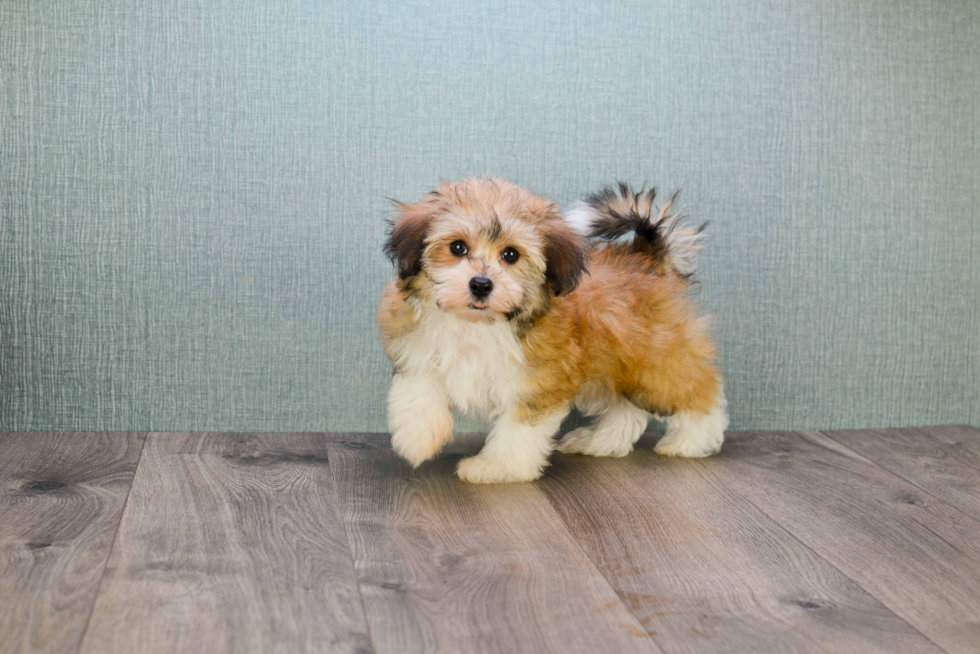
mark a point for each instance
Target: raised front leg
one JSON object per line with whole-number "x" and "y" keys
{"x": 516, "y": 450}
{"x": 418, "y": 417}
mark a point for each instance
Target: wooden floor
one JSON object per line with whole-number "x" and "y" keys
{"x": 806, "y": 542}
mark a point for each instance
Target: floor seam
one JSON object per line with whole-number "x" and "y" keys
{"x": 350, "y": 547}
{"x": 112, "y": 546}
{"x": 595, "y": 567}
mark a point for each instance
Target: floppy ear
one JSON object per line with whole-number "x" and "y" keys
{"x": 406, "y": 237}
{"x": 565, "y": 253}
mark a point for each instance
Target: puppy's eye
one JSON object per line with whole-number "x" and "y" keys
{"x": 458, "y": 248}
{"x": 510, "y": 255}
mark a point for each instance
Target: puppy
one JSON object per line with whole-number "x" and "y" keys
{"x": 504, "y": 308}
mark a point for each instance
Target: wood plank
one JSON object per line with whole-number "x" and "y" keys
{"x": 704, "y": 570}
{"x": 452, "y": 567}
{"x": 961, "y": 440}
{"x": 61, "y": 497}
{"x": 915, "y": 554}
{"x": 943, "y": 461}
{"x": 230, "y": 543}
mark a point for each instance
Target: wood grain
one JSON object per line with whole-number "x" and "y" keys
{"x": 943, "y": 461}
{"x": 914, "y": 553}
{"x": 451, "y": 567}
{"x": 961, "y": 440}
{"x": 846, "y": 541}
{"x": 230, "y": 543}
{"x": 61, "y": 497}
{"x": 704, "y": 570}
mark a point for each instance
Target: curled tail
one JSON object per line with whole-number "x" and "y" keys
{"x": 668, "y": 238}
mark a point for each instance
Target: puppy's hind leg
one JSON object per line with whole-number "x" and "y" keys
{"x": 695, "y": 434}
{"x": 618, "y": 427}
{"x": 684, "y": 385}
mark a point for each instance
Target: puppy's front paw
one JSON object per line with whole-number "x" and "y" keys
{"x": 416, "y": 446}
{"x": 483, "y": 470}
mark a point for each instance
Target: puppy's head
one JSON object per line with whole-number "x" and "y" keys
{"x": 486, "y": 250}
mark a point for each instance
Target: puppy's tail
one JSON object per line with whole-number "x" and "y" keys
{"x": 667, "y": 237}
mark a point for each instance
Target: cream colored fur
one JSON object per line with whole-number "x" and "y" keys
{"x": 515, "y": 451}
{"x": 479, "y": 367}
{"x": 695, "y": 435}
{"x": 618, "y": 426}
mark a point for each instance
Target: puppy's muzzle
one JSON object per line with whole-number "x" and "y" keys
{"x": 480, "y": 287}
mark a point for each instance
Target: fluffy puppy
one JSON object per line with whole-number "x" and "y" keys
{"x": 504, "y": 308}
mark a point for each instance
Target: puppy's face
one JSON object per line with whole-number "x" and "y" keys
{"x": 486, "y": 250}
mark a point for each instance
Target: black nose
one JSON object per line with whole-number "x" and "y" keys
{"x": 480, "y": 287}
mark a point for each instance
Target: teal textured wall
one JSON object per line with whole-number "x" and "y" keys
{"x": 192, "y": 193}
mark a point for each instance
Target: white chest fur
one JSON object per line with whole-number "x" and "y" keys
{"x": 480, "y": 366}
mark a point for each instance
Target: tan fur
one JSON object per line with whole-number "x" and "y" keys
{"x": 626, "y": 329}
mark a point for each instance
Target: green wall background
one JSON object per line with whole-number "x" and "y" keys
{"x": 193, "y": 193}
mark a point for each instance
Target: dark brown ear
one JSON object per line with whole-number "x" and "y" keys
{"x": 406, "y": 238}
{"x": 566, "y": 253}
